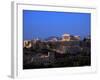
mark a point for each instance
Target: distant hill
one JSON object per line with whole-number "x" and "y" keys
{"x": 52, "y": 37}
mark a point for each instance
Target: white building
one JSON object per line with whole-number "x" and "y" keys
{"x": 66, "y": 37}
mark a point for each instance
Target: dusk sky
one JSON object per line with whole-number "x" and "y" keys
{"x": 43, "y": 24}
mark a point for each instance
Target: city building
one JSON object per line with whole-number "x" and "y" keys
{"x": 68, "y": 37}
{"x": 77, "y": 37}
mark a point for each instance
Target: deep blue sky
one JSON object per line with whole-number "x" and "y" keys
{"x": 43, "y": 24}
